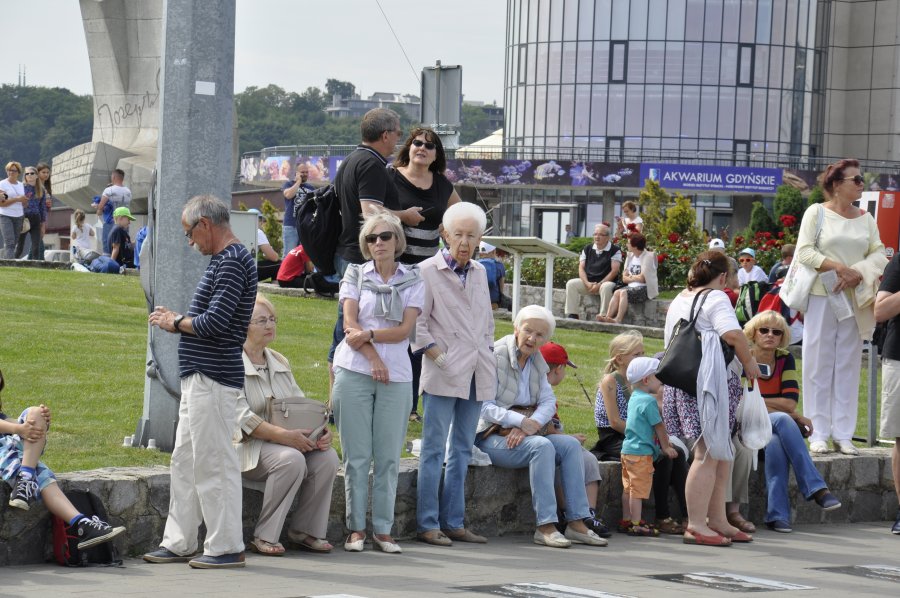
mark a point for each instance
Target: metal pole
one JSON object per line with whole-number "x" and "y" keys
{"x": 872, "y": 396}
{"x": 548, "y": 284}
{"x": 517, "y": 285}
{"x": 437, "y": 95}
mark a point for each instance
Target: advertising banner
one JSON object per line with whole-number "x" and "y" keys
{"x": 574, "y": 173}
{"x": 732, "y": 179}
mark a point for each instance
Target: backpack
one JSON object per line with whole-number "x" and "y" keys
{"x": 318, "y": 216}
{"x": 65, "y": 546}
{"x": 771, "y": 301}
{"x": 748, "y": 300}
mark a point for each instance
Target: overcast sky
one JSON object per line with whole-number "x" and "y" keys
{"x": 294, "y": 44}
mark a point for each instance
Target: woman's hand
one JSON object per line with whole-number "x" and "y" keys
{"x": 751, "y": 370}
{"x": 356, "y": 338}
{"x": 805, "y": 423}
{"x": 848, "y": 278}
{"x": 324, "y": 441}
{"x": 379, "y": 371}
{"x": 515, "y": 437}
{"x": 27, "y": 430}
{"x": 297, "y": 439}
{"x": 529, "y": 426}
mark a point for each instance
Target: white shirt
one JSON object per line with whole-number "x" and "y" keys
{"x": 716, "y": 314}
{"x": 261, "y": 238}
{"x": 118, "y": 196}
{"x": 82, "y": 238}
{"x": 633, "y": 267}
{"x": 18, "y": 190}
{"x": 756, "y": 274}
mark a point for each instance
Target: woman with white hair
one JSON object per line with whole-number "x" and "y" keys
{"x": 455, "y": 331}
{"x": 372, "y": 376}
{"x": 515, "y": 430}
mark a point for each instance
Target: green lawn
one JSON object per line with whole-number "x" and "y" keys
{"x": 77, "y": 342}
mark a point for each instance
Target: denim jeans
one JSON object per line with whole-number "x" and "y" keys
{"x": 10, "y": 229}
{"x": 290, "y": 238}
{"x": 340, "y": 264}
{"x": 787, "y": 448}
{"x": 541, "y": 454}
{"x": 446, "y": 510}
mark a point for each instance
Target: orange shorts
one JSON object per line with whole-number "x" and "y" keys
{"x": 637, "y": 475}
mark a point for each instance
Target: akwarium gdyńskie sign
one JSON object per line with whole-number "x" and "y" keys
{"x": 701, "y": 177}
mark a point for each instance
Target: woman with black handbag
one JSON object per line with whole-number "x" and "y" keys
{"x": 703, "y": 308}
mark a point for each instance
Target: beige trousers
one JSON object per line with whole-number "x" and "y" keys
{"x": 738, "y": 488}
{"x": 575, "y": 288}
{"x": 286, "y": 470}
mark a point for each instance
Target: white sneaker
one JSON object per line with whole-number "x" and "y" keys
{"x": 554, "y": 539}
{"x": 845, "y": 447}
{"x": 818, "y": 447}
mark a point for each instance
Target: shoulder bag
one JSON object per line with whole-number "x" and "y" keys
{"x": 527, "y": 411}
{"x": 680, "y": 364}
{"x": 798, "y": 281}
{"x": 299, "y": 413}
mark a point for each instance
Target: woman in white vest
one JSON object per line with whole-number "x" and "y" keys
{"x": 516, "y": 430}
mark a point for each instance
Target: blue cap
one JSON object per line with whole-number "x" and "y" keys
{"x": 749, "y": 251}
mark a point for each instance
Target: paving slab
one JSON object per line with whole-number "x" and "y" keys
{"x": 815, "y": 560}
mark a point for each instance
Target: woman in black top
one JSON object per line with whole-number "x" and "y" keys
{"x": 418, "y": 174}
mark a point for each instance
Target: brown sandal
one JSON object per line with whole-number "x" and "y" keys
{"x": 669, "y": 526}
{"x": 738, "y": 521}
{"x": 266, "y": 548}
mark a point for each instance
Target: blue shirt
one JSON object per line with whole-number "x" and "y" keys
{"x": 221, "y": 311}
{"x": 495, "y": 271}
{"x": 36, "y": 205}
{"x": 289, "y": 203}
{"x": 643, "y": 414}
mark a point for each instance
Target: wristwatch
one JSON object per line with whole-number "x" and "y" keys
{"x": 177, "y": 323}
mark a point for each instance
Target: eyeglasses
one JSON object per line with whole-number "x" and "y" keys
{"x": 13, "y": 170}
{"x": 744, "y": 260}
{"x": 385, "y": 236}
{"x": 262, "y": 321}
{"x": 30, "y": 174}
{"x": 419, "y": 143}
{"x": 190, "y": 232}
{"x": 773, "y": 331}
{"x": 857, "y": 180}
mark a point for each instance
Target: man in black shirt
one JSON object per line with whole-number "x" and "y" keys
{"x": 598, "y": 269}
{"x": 121, "y": 249}
{"x": 887, "y": 309}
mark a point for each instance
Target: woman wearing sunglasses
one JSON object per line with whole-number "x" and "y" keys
{"x": 35, "y": 212}
{"x": 372, "y": 391}
{"x": 418, "y": 174}
{"x": 12, "y": 200}
{"x": 769, "y": 334}
{"x": 849, "y": 246}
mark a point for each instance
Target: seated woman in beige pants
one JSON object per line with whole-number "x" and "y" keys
{"x": 286, "y": 460}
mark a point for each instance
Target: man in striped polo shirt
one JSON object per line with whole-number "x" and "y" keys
{"x": 206, "y": 477}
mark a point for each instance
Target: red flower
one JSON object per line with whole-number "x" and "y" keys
{"x": 767, "y": 235}
{"x": 661, "y": 258}
{"x": 788, "y": 220}
{"x": 683, "y": 259}
{"x": 760, "y": 234}
{"x": 781, "y": 235}
{"x": 738, "y": 240}
{"x": 673, "y": 237}
{"x": 615, "y": 240}
{"x": 771, "y": 243}
{"x": 632, "y": 227}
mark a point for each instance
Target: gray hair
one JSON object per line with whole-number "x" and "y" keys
{"x": 372, "y": 221}
{"x": 536, "y": 312}
{"x": 461, "y": 211}
{"x": 206, "y": 206}
{"x": 376, "y": 121}
{"x": 601, "y": 226}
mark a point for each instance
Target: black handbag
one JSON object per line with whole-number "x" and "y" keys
{"x": 680, "y": 364}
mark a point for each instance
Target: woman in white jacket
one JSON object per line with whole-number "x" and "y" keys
{"x": 639, "y": 276}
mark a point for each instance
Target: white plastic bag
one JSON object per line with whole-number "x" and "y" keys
{"x": 756, "y": 427}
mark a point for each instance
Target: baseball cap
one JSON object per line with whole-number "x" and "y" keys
{"x": 717, "y": 244}
{"x": 255, "y": 211}
{"x": 123, "y": 211}
{"x": 486, "y": 247}
{"x": 640, "y": 368}
{"x": 748, "y": 251}
{"x": 555, "y": 355}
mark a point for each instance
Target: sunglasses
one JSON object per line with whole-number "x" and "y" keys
{"x": 30, "y": 173}
{"x": 744, "y": 260}
{"x": 773, "y": 331}
{"x": 857, "y": 180}
{"x": 385, "y": 236}
{"x": 419, "y": 143}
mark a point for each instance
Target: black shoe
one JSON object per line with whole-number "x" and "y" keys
{"x": 895, "y": 529}
{"x": 93, "y": 531}
{"x": 596, "y": 525}
{"x": 561, "y": 522}
{"x": 24, "y": 494}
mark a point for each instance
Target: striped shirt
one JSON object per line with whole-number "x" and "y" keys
{"x": 220, "y": 312}
{"x": 784, "y": 383}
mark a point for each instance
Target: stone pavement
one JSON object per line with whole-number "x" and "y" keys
{"x": 808, "y": 559}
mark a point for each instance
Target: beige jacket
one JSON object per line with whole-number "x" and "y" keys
{"x": 252, "y": 404}
{"x": 459, "y": 320}
{"x": 648, "y": 269}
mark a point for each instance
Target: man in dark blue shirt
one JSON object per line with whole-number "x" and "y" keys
{"x": 292, "y": 190}
{"x": 205, "y": 473}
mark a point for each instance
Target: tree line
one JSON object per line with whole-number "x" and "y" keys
{"x": 37, "y": 123}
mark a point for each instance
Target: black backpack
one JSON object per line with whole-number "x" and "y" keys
{"x": 65, "y": 546}
{"x": 318, "y": 216}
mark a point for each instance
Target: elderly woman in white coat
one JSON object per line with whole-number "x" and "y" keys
{"x": 514, "y": 431}
{"x": 455, "y": 331}
{"x": 287, "y": 461}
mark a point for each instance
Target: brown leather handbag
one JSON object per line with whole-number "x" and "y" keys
{"x": 527, "y": 411}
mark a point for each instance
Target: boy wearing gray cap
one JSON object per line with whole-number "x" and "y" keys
{"x": 639, "y": 449}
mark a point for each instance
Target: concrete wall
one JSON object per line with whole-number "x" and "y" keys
{"x": 650, "y": 313}
{"x": 498, "y": 503}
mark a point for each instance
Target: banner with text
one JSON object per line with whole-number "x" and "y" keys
{"x": 731, "y": 179}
